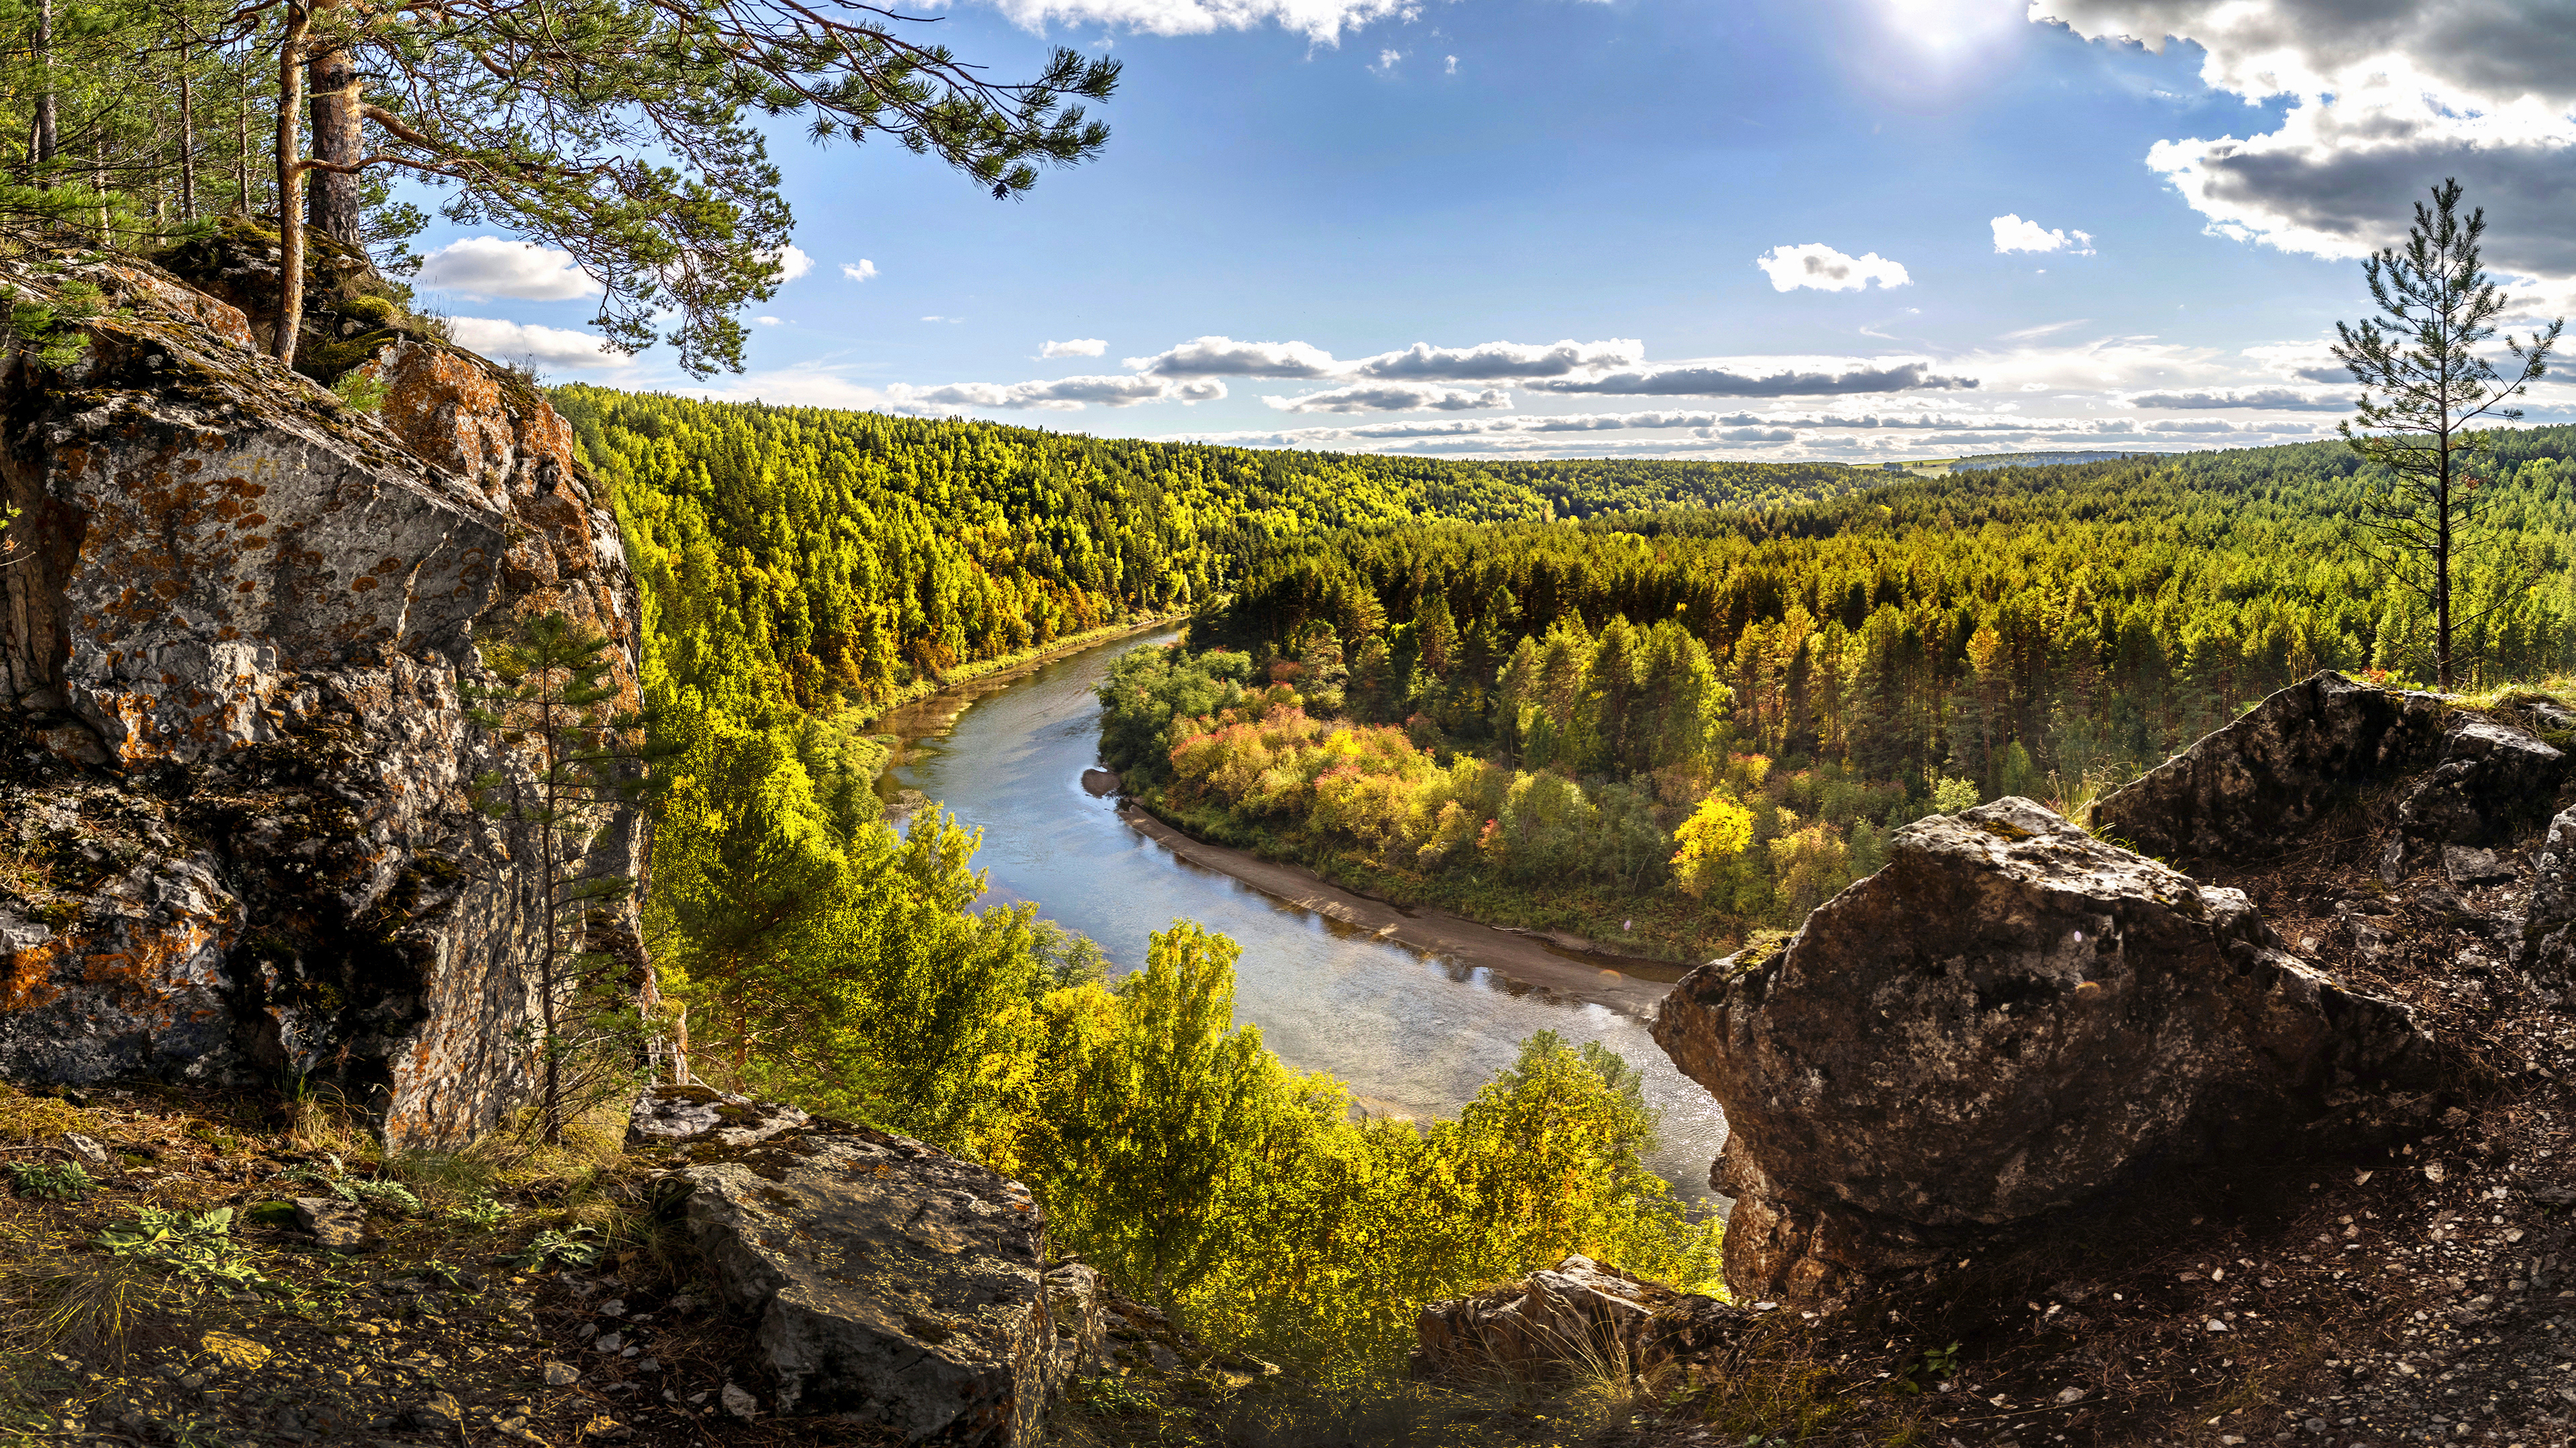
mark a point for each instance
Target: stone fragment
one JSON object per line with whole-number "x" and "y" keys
{"x": 232, "y": 1352}
{"x": 338, "y": 1225}
{"x": 1099, "y": 782}
{"x": 2491, "y": 777}
{"x": 561, "y": 1375}
{"x": 1576, "y": 1315}
{"x": 87, "y": 1151}
{"x": 668, "y": 1115}
{"x": 439, "y": 1412}
{"x": 2259, "y": 785}
{"x": 2007, "y": 1020}
{"x": 2470, "y": 865}
{"x": 891, "y": 1282}
{"x": 739, "y": 1402}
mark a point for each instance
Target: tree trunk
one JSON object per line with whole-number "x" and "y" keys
{"x": 187, "y": 142}
{"x": 332, "y": 197}
{"x": 241, "y": 156}
{"x": 45, "y": 117}
{"x": 290, "y": 169}
{"x": 98, "y": 177}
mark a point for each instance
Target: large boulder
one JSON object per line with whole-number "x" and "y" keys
{"x": 892, "y": 1283}
{"x": 2328, "y": 746}
{"x": 2263, "y": 783}
{"x": 235, "y": 765}
{"x": 2008, "y": 1020}
{"x": 1578, "y": 1316}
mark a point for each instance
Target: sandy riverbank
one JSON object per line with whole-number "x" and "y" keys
{"x": 1515, "y": 957}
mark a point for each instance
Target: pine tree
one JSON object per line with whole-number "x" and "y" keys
{"x": 579, "y": 761}
{"x": 2423, "y": 383}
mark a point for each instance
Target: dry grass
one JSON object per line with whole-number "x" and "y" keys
{"x": 21, "y": 873}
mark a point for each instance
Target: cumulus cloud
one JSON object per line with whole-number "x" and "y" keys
{"x": 1827, "y": 270}
{"x": 1320, "y": 21}
{"x": 792, "y": 262}
{"x": 1076, "y": 347}
{"x": 866, "y": 270}
{"x": 488, "y": 267}
{"x": 2269, "y": 399}
{"x": 1393, "y": 397}
{"x": 1499, "y": 361}
{"x": 1386, "y": 61}
{"x": 1226, "y": 357}
{"x": 2386, "y": 98}
{"x": 2014, "y": 234}
{"x": 770, "y": 321}
{"x": 1453, "y": 63}
{"x": 1729, "y": 381}
{"x": 524, "y": 341}
{"x": 1064, "y": 394}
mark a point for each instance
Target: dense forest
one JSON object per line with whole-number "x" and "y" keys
{"x": 1702, "y": 722}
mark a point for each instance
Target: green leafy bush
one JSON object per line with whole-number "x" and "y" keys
{"x": 59, "y": 1180}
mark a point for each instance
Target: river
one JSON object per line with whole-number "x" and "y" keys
{"x": 1412, "y": 1033}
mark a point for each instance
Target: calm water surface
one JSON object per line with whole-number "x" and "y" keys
{"x": 1412, "y": 1034}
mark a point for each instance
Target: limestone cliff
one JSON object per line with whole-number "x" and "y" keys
{"x": 235, "y": 838}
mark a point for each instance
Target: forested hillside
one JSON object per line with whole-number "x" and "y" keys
{"x": 1671, "y": 727}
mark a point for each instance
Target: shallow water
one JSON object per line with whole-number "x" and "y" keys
{"x": 1412, "y": 1034}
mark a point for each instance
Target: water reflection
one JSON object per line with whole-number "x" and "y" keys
{"x": 1414, "y": 1035}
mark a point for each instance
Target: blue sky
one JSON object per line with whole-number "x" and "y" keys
{"x": 1837, "y": 228}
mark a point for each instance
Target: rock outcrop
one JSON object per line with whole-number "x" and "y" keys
{"x": 2010, "y": 1019}
{"x": 234, "y": 764}
{"x": 1578, "y": 1316}
{"x": 892, "y": 1283}
{"x": 2329, "y": 746}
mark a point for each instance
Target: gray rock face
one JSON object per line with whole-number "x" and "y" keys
{"x": 1576, "y": 1314}
{"x": 2547, "y": 949}
{"x": 232, "y": 636}
{"x": 668, "y": 1115}
{"x": 2259, "y": 785}
{"x": 2491, "y": 780}
{"x": 2009, "y": 1019}
{"x": 892, "y": 1282}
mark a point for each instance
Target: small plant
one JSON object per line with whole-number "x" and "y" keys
{"x": 579, "y": 1247}
{"x": 360, "y": 391}
{"x": 62, "y": 1181}
{"x": 358, "y": 1191}
{"x": 193, "y": 1246}
{"x": 1938, "y": 1365}
{"x": 482, "y": 1214}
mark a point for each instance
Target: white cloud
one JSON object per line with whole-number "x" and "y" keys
{"x": 769, "y": 321}
{"x": 866, "y": 270}
{"x": 1226, "y": 357}
{"x": 2386, "y": 98}
{"x": 1320, "y": 21}
{"x": 1827, "y": 270}
{"x": 1776, "y": 377}
{"x": 792, "y": 262}
{"x": 1386, "y": 61}
{"x": 486, "y": 267}
{"x": 1499, "y": 361}
{"x": 1393, "y": 397}
{"x": 1064, "y": 394}
{"x": 2014, "y": 234}
{"x": 2271, "y": 399}
{"x": 1075, "y": 347}
{"x": 524, "y": 341}
{"x": 1452, "y": 64}
{"x": 2304, "y": 361}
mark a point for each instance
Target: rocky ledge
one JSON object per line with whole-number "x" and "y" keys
{"x": 237, "y": 613}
